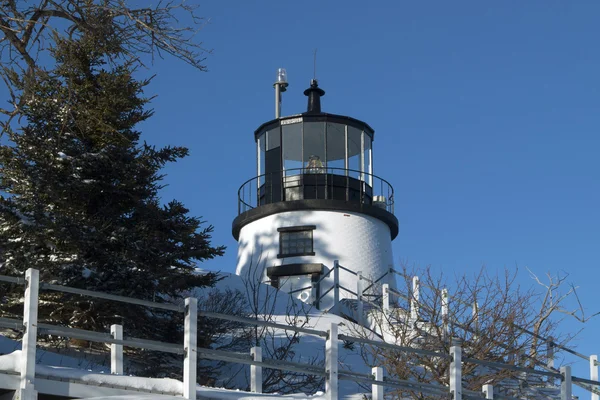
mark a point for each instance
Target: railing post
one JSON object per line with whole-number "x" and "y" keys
{"x": 314, "y": 291}
{"x": 476, "y": 316}
{"x": 30, "y": 322}
{"x": 116, "y": 350}
{"x": 445, "y": 312}
{"x": 488, "y": 391}
{"x": 550, "y": 352}
{"x": 414, "y": 304}
{"x": 414, "y": 301}
{"x": 331, "y": 363}
{"x": 566, "y": 388}
{"x": 256, "y": 375}
{"x": 377, "y": 390}
{"x": 385, "y": 296}
{"x": 359, "y": 297}
{"x": 594, "y": 373}
{"x": 190, "y": 344}
{"x": 336, "y": 283}
{"x": 456, "y": 373}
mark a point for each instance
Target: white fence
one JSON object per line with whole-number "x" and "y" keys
{"x": 385, "y": 303}
{"x": 331, "y": 371}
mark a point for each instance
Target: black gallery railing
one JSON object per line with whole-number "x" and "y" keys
{"x": 318, "y": 183}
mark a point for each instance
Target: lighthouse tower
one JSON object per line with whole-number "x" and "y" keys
{"x": 315, "y": 200}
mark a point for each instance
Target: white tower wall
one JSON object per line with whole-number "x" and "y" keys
{"x": 359, "y": 242}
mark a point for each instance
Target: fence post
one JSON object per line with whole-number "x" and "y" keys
{"x": 414, "y": 301}
{"x": 594, "y": 373}
{"x": 385, "y": 289}
{"x": 256, "y": 376}
{"x": 445, "y": 312}
{"x": 550, "y": 352}
{"x": 360, "y": 308}
{"x": 456, "y": 373}
{"x": 190, "y": 344}
{"x": 30, "y": 322}
{"x": 331, "y": 363}
{"x": 488, "y": 391}
{"x": 377, "y": 390}
{"x": 476, "y": 316}
{"x": 336, "y": 283}
{"x": 565, "y": 385}
{"x": 116, "y": 350}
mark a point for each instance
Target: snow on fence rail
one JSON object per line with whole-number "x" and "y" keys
{"x": 29, "y": 325}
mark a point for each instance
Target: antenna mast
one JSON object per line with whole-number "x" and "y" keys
{"x": 280, "y": 86}
{"x": 315, "y": 65}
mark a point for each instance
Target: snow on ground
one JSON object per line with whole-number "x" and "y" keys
{"x": 45, "y": 357}
{"x": 222, "y": 394}
{"x": 11, "y": 363}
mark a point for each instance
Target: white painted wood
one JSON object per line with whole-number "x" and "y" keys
{"x": 30, "y": 323}
{"x": 377, "y": 390}
{"x": 256, "y": 373}
{"x": 566, "y": 387}
{"x": 594, "y": 372}
{"x": 550, "y": 352}
{"x": 386, "y": 298}
{"x": 414, "y": 301}
{"x": 336, "y": 283}
{"x": 456, "y": 372}
{"x": 445, "y": 312}
{"x": 360, "y": 308}
{"x": 488, "y": 391}
{"x": 190, "y": 345}
{"x": 116, "y": 350}
{"x": 476, "y": 316}
{"x": 331, "y": 363}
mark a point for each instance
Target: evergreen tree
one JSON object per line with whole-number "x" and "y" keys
{"x": 80, "y": 197}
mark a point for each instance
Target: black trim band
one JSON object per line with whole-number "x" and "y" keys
{"x": 314, "y": 204}
{"x": 299, "y": 228}
{"x": 294, "y": 269}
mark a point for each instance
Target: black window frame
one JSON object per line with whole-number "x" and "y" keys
{"x": 295, "y": 229}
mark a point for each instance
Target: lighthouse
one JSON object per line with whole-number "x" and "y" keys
{"x": 315, "y": 218}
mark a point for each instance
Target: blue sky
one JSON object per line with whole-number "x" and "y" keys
{"x": 485, "y": 113}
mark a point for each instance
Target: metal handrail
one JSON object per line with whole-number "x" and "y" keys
{"x": 299, "y": 290}
{"x": 379, "y": 185}
{"x": 258, "y": 322}
{"x": 347, "y": 270}
{"x": 12, "y": 279}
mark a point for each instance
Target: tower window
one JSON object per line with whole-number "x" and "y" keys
{"x": 296, "y": 241}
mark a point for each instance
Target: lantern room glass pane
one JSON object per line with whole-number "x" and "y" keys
{"x": 354, "y": 152}
{"x": 367, "y": 159}
{"x": 336, "y": 148}
{"x": 273, "y": 153}
{"x": 273, "y": 139}
{"x": 292, "y": 148}
{"x": 314, "y": 147}
{"x": 261, "y": 143}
